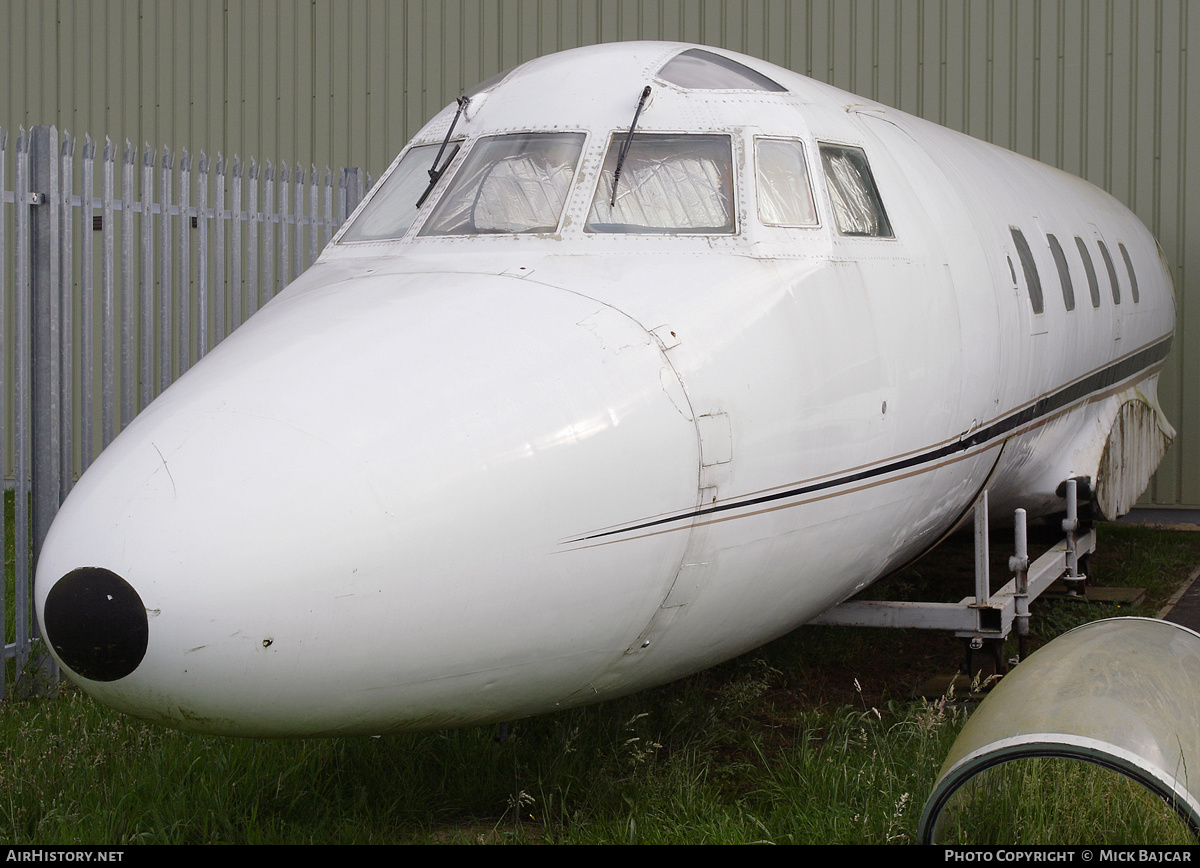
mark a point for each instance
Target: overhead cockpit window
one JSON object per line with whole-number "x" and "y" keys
{"x": 509, "y": 184}
{"x": 698, "y": 69}
{"x": 784, "y": 193}
{"x": 670, "y": 184}
{"x": 857, "y": 208}
{"x": 488, "y": 83}
{"x": 393, "y": 207}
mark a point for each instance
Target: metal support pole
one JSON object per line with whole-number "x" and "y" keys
{"x": 1071, "y": 525}
{"x": 47, "y": 362}
{"x": 1019, "y": 564}
{"x": 986, "y": 618}
{"x": 983, "y": 583}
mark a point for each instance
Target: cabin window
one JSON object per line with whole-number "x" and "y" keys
{"x": 1030, "y": 268}
{"x": 785, "y": 195}
{"x": 669, "y": 184}
{"x": 509, "y": 185}
{"x": 1112, "y": 273}
{"x": 1133, "y": 287}
{"x": 1064, "y": 272}
{"x": 857, "y": 208}
{"x": 697, "y": 69}
{"x": 393, "y": 206}
{"x": 1090, "y": 270}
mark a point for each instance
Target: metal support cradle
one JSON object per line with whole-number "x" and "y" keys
{"x": 985, "y": 617}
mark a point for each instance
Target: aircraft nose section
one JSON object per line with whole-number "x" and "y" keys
{"x": 96, "y": 623}
{"x": 368, "y": 509}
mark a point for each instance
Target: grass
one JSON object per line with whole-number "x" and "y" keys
{"x": 677, "y": 765}
{"x": 1058, "y": 801}
{"x": 812, "y": 739}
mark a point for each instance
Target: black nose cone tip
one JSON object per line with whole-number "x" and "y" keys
{"x": 96, "y": 623}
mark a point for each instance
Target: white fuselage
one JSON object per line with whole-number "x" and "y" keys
{"x": 462, "y": 477}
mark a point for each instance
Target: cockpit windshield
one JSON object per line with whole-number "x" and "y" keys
{"x": 670, "y": 184}
{"x": 394, "y": 207}
{"x": 509, "y": 184}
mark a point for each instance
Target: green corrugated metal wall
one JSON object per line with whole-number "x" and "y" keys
{"x": 1099, "y": 88}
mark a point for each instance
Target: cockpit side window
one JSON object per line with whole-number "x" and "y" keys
{"x": 785, "y": 195}
{"x": 509, "y": 184}
{"x": 697, "y": 69}
{"x": 857, "y": 208}
{"x": 393, "y": 208}
{"x": 669, "y": 184}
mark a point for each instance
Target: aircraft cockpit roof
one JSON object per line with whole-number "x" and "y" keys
{"x": 597, "y": 86}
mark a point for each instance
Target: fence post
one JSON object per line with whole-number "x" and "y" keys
{"x": 46, "y": 379}
{"x": 352, "y": 188}
{"x": 47, "y": 363}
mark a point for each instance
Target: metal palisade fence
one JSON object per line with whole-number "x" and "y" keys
{"x": 106, "y": 299}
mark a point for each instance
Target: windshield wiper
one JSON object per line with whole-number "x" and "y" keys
{"x": 435, "y": 174}
{"x": 625, "y": 147}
